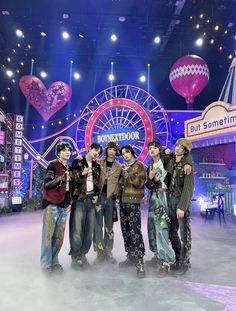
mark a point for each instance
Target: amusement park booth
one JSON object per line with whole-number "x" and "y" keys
{"x": 213, "y": 135}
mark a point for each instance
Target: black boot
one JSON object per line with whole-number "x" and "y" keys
{"x": 128, "y": 262}
{"x": 140, "y": 269}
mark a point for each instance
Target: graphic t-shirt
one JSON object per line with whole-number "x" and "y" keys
{"x": 161, "y": 173}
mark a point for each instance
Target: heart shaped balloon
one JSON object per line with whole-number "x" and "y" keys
{"x": 46, "y": 102}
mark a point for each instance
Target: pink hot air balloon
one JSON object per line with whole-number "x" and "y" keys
{"x": 188, "y": 76}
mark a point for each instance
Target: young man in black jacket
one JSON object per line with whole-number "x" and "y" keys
{"x": 85, "y": 181}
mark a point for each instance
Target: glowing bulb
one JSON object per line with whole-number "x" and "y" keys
{"x": 114, "y": 37}
{"x": 43, "y": 74}
{"x": 19, "y": 33}
{"x": 142, "y": 78}
{"x": 157, "y": 40}
{"x": 65, "y": 35}
{"x": 9, "y": 73}
{"x": 77, "y": 75}
{"x": 199, "y": 42}
{"x": 111, "y": 77}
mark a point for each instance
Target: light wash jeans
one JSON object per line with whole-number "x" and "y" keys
{"x": 103, "y": 233}
{"x": 54, "y": 221}
{"x": 81, "y": 226}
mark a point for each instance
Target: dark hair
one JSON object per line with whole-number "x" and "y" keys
{"x": 129, "y": 149}
{"x": 156, "y": 144}
{"x": 62, "y": 145}
{"x": 114, "y": 145}
{"x": 96, "y": 146}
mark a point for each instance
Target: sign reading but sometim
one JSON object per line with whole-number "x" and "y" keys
{"x": 217, "y": 118}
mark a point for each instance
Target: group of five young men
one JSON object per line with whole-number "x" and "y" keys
{"x": 90, "y": 188}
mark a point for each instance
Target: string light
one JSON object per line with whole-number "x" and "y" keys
{"x": 217, "y": 27}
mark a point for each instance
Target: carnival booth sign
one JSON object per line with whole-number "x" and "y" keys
{"x": 217, "y": 119}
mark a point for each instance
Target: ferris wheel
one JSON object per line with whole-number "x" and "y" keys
{"x": 123, "y": 113}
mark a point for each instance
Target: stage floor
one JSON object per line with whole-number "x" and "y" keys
{"x": 210, "y": 285}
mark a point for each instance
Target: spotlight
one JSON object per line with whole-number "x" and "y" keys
{"x": 142, "y": 78}
{"x": 65, "y": 35}
{"x": 9, "y": 73}
{"x": 77, "y": 75}
{"x": 71, "y": 61}
{"x": 157, "y": 40}
{"x": 199, "y": 42}
{"x": 111, "y": 77}
{"x": 19, "y": 33}
{"x": 43, "y": 74}
{"x": 113, "y": 37}
{"x": 43, "y": 34}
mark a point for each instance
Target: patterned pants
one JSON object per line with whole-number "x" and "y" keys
{"x": 182, "y": 250}
{"x": 130, "y": 219}
{"x": 54, "y": 220}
